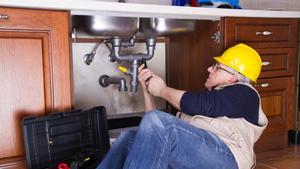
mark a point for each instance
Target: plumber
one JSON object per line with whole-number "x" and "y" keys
{"x": 215, "y": 129}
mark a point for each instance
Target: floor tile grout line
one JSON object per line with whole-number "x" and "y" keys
{"x": 267, "y": 165}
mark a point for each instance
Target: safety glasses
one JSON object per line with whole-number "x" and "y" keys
{"x": 217, "y": 66}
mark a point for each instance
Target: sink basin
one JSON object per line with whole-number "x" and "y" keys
{"x": 153, "y": 27}
{"x": 105, "y": 26}
{"x": 126, "y": 27}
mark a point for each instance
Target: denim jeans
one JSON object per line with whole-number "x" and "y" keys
{"x": 162, "y": 141}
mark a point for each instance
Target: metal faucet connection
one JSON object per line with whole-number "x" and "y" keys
{"x": 89, "y": 57}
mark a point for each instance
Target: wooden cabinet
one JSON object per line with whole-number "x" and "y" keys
{"x": 34, "y": 73}
{"x": 276, "y": 42}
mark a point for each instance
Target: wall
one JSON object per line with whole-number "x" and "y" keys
{"x": 87, "y": 91}
{"x": 293, "y": 5}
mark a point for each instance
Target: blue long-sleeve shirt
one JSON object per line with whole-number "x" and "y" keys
{"x": 236, "y": 101}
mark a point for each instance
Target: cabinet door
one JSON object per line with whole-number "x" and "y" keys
{"x": 190, "y": 55}
{"x": 34, "y": 75}
{"x": 277, "y": 98}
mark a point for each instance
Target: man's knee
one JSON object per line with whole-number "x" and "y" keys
{"x": 156, "y": 119}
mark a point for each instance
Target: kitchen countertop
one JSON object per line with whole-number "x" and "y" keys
{"x": 92, "y": 7}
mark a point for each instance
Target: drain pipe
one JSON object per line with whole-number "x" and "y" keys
{"x": 133, "y": 58}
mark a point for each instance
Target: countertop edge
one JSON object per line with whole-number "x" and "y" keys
{"x": 91, "y": 7}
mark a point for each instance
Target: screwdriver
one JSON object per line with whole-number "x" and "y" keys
{"x": 143, "y": 61}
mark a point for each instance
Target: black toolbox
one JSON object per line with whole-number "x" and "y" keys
{"x": 66, "y": 137}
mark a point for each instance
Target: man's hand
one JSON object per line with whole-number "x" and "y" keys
{"x": 156, "y": 85}
{"x": 143, "y": 76}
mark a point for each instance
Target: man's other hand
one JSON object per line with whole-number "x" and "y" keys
{"x": 156, "y": 85}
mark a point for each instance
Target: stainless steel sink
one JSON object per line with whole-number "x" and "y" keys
{"x": 153, "y": 27}
{"x": 126, "y": 27}
{"x": 105, "y": 26}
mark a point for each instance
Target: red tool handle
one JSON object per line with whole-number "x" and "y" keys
{"x": 63, "y": 166}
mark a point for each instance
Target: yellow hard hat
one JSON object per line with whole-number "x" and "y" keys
{"x": 243, "y": 59}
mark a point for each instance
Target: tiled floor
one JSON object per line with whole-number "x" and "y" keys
{"x": 288, "y": 158}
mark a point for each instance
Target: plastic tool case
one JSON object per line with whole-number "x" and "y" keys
{"x": 60, "y": 137}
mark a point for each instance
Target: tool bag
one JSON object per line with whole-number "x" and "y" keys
{"x": 78, "y": 137}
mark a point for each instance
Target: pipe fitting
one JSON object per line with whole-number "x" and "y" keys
{"x": 105, "y": 81}
{"x": 116, "y": 48}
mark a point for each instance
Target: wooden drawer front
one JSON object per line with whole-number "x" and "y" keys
{"x": 278, "y": 62}
{"x": 261, "y": 33}
{"x": 273, "y": 96}
{"x": 27, "y": 18}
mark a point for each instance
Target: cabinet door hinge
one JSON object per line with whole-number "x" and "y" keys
{"x": 216, "y": 37}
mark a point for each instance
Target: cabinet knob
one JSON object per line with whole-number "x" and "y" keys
{"x": 3, "y": 16}
{"x": 263, "y": 85}
{"x": 264, "y": 33}
{"x": 266, "y": 63}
